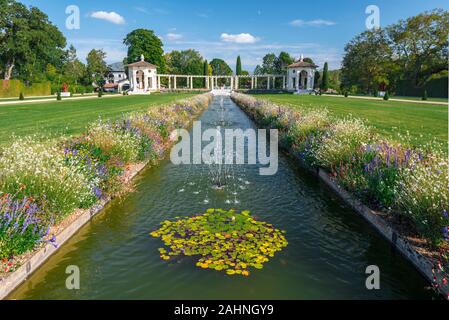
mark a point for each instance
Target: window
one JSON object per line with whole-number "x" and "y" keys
{"x": 294, "y": 82}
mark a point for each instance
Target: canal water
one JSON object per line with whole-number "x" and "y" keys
{"x": 329, "y": 247}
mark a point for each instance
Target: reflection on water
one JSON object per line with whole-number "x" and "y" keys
{"x": 328, "y": 252}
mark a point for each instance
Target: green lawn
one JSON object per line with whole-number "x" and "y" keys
{"x": 423, "y": 121}
{"x": 70, "y": 117}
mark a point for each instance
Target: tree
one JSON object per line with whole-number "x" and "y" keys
{"x": 96, "y": 66}
{"x": 28, "y": 41}
{"x": 74, "y": 70}
{"x": 205, "y": 71}
{"x": 143, "y": 41}
{"x": 420, "y": 44}
{"x": 238, "y": 66}
{"x": 283, "y": 61}
{"x": 316, "y": 79}
{"x": 220, "y": 68}
{"x": 367, "y": 61}
{"x": 274, "y": 65}
{"x": 325, "y": 81}
{"x": 205, "y": 68}
{"x": 185, "y": 62}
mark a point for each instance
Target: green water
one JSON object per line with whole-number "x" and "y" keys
{"x": 329, "y": 248}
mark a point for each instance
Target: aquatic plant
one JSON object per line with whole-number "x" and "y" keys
{"x": 227, "y": 241}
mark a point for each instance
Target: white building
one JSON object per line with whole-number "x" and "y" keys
{"x": 116, "y": 79}
{"x": 301, "y": 76}
{"x": 142, "y": 76}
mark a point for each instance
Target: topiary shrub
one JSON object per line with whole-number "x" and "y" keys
{"x": 58, "y": 96}
{"x": 346, "y": 94}
{"x": 386, "y": 96}
{"x": 21, "y": 97}
{"x": 424, "y": 95}
{"x": 100, "y": 94}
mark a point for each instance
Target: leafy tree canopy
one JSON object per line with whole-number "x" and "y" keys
{"x": 144, "y": 41}
{"x": 220, "y": 68}
{"x": 28, "y": 41}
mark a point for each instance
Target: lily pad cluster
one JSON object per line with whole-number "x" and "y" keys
{"x": 225, "y": 240}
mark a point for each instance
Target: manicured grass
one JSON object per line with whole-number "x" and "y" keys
{"x": 420, "y": 98}
{"x": 423, "y": 121}
{"x": 70, "y": 117}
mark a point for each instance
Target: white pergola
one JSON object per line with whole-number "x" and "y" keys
{"x": 211, "y": 82}
{"x": 144, "y": 79}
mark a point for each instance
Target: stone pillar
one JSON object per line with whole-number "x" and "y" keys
{"x": 191, "y": 82}
{"x": 174, "y": 82}
{"x": 283, "y": 82}
{"x": 252, "y": 83}
{"x": 268, "y": 83}
{"x": 237, "y": 80}
{"x": 145, "y": 81}
{"x": 169, "y": 82}
{"x": 232, "y": 83}
{"x": 255, "y": 82}
{"x": 135, "y": 81}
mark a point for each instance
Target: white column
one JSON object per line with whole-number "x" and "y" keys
{"x": 191, "y": 82}
{"x": 174, "y": 83}
{"x": 283, "y": 82}
{"x": 252, "y": 82}
{"x": 237, "y": 80}
{"x": 145, "y": 81}
{"x": 169, "y": 82}
{"x": 255, "y": 82}
{"x": 268, "y": 83}
{"x": 158, "y": 82}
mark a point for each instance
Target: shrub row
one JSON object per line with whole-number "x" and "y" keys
{"x": 41, "y": 182}
{"x": 410, "y": 182}
{"x": 13, "y": 88}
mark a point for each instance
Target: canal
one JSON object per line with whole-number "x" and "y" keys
{"x": 329, "y": 247}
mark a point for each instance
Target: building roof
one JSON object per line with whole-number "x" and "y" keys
{"x": 142, "y": 64}
{"x": 110, "y": 85}
{"x": 302, "y": 64}
{"x": 117, "y": 67}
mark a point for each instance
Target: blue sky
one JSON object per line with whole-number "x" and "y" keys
{"x": 224, "y": 29}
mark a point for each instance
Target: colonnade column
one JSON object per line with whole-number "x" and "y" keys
{"x": 268, "y": 83}
{"x": 191, "y": 82}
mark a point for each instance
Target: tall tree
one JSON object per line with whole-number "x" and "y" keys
{"x": 238, "y": 66}
{"x": 220, "y": 68}
{"x": 185, "y": 62}
{"x": 367, "y": 61}
{"x": 205, "y": 71}
{"x": 205, "y": 68}
{"x": 325, "y": 80}
{"x": 283, "y": 61}
{"x": 96, "y": 66}
{"x": 74, "y": 70}
{"x": 28, "y": 41}
{"x": 316, "y": 79}
{"x": 144, "y": 41}
{"x": 420, "y": 44}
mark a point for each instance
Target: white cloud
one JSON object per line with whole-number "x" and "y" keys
{"x": 313, "y": 23}
{"x": 239, "y": 38}
{"x": 173, "y": 36}
{"x": 108, "y": 16}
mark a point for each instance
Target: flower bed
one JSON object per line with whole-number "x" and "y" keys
{"x": 42, "y": 182}
{"x": 404, "y": 181}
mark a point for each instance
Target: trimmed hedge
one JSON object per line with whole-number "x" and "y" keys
{"x": 13, "y": 88}
{"x": 436, "y": 88}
